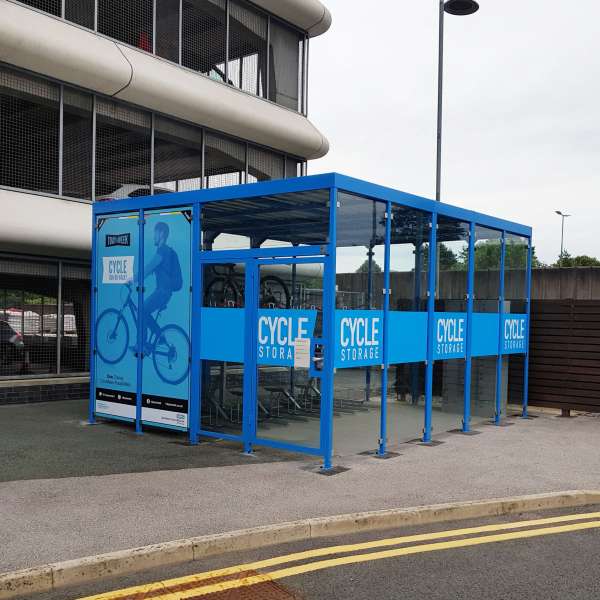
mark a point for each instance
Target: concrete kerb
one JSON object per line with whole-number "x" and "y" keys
{"x": 60, "y": 575}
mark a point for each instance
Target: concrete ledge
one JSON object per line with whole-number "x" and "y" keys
{"x": 26, "y": 582}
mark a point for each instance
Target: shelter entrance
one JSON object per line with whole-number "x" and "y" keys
{"x": 262, "y": 349}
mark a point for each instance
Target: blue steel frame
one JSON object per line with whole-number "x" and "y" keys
{"x": 327, "y": 255}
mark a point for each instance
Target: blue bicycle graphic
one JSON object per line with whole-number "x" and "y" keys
{"x": 168, "y": 345}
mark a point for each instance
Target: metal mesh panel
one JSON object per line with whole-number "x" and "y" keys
{"x": 264, "y": 165}
{"x": 77, "y": 144}
{"x": 292, "y": 167}
{"x": 204, "y": 30}
{"x": 28, "y": 309}
{"x": 49, "y": 6}
{"x": 80, "y": 12}
{"x": 225, "y": 161}
{"x": 75, "y": 329}
{"x": 123, "y": 140}
{"x": 177, "y": 156}
{"x": 167, "y": 29}
{"x": 128, "y": 21}
{"x": 247, "y": 49}
{"x": 285, "y": 61}
{"x": 29, "y": 125}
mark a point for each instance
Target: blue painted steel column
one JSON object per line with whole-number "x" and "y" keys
{"x": 528, "y": 312}
{"x": 250, "y": 353}
{"x": 386, "y": 334}
{"x": 196, "y": 300}
{"x": 140, "y": 323}
{"x": 327, "y": 381}
{"x": 468, "y": 358}
{"x": 431, "y": 292}
{"x": 498, "y": 417}
{"x": 92, "y": 402}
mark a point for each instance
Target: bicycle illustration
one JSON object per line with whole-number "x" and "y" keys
{"x": 168, "y": 345}
{"x": 226, "y": 289}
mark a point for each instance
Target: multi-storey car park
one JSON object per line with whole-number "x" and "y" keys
{"x": 103, "y": 99}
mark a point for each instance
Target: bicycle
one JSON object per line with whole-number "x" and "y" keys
{"x": 225, "y": 290}
{"x": 168, "y": 345}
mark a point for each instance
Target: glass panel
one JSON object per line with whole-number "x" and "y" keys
{"x": 483, "y": 388}
{"x": 448, "y": 394}
{"x": 409, "y": 253}
{"x": 247, "y": 48}
{"x": 285, "y": 75}
{"x": 76, "y": 318}
{"x": 29, "y": 124}
{"x": 204, "y": 30}
{"x": 359, "y": 286}
{"x": 77, "y": 144}
{"x": 453, "y": 264}
{"x": 129, "y": 21}
{"x": 515, "y": 273}
{"x": 123, "y": 139}
{"x": 28, "y": 309}
{"x": 488, "y": 249}
{"x": 298, "y": 218}
{"x": 289, "y": 399}
{"x": 177, "y": 156}
{"x": 405, "y": 403}
{"x": 516, "y": 378}
{"x": 222, "y": 366}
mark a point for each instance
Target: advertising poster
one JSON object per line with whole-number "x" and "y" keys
{"x": 167, "y": 317}
{"x": 116, "y": 313}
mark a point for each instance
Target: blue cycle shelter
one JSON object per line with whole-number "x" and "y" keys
{"x": 321, "y": 314}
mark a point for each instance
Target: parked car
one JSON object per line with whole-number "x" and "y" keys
{"x": 133, "y": 190}
{"x": 12, "y": 348}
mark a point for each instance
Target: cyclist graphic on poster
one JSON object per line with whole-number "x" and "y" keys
{"x": 165, "y": 267}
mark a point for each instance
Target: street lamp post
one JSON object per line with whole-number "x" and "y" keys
{"x": 453, "y": 7}
{"x": 563, "y": 216}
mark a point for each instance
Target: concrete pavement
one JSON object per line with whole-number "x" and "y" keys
{"x": 48, "y": 520}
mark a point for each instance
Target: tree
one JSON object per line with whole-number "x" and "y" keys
{"x": 364, "y": 268}
{"x": 566, "y": 260}
{"x": 446, "y": 257}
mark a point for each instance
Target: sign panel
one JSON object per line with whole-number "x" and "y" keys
{"x": 484, "y": 341}
{"x": 449, "y": 335}
{"x": 514, "y": 332}
{"x": 167, "y": 318}
{"x": 117, "y": 246}
{"x": 358, "y": 338}
{"x": 407, "y": 337}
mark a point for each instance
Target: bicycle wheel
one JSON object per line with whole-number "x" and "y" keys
{"x": 112, "y": 336}
{"x": 171, "y": 354}
{"x": 274, "y": 293}
{"x": 221, "y": 292}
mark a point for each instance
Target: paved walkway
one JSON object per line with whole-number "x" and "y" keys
{"x": 84, "y": 511}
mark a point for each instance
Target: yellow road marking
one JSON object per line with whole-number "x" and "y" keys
{"x": 347, "y": 548}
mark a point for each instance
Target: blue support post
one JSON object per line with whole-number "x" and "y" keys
{"x": 140, "y": 323}
{"x": 431, "y": 293}
{"x": 250, "y": 389}
{"x": 469, "y": 345}
{"x": 498, "y": 416}
{"x": 196, "y": 300}
{"x": 414, "y": 368}
{"x": 386, "y": 309}
{"x": 92, "y": 402}
{"x": 525, "y": 414}
{"x": 329, "y": 292}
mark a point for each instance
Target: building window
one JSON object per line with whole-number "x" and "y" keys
{"x": 167, "y": 29}
{"x": 225, "y": 161}
{"x": 123, "y": 149}
{"x": 29, "y": 132}
{"x": 264, "y": 165}
{"x": 49, "y": 6}
{"x": 129, "y": 21}
{"x": 80, "y": 12}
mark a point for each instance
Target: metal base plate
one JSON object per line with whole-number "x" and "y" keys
{"x": 461, "y": 432}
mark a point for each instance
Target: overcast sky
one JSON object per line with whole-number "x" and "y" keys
{"x": 521, "y": 108}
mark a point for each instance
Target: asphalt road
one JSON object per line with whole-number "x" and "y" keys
{"x": 545, "y": 555}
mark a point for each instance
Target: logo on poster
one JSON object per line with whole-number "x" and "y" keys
{"x": 360, "y": 338}
{"x": 117, "y": 269}
{"x": 276, "y": 335}
{"x": 119, "y": 239}
{"x": 514, "y": 334}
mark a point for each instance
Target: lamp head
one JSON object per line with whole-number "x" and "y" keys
{"x": 461, "y": 7}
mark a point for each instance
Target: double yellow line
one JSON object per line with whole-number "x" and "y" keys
{"x": 200, "y": 585}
